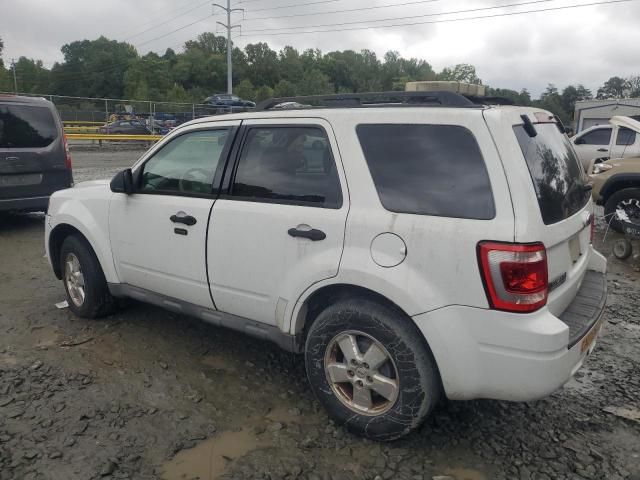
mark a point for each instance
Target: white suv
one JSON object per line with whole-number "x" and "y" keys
{"x": 410, "y": 245}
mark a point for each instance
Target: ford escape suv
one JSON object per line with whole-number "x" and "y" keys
{"x": 411, "y": 245}
{"x": 34, "y": 156}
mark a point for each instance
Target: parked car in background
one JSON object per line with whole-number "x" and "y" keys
{"x": 233, "y": 102}
{"x": 125, "y": 127}
{"x": 34, "y": 155}
{"x": 616, "y": 186}
{"x": 619, "y": 139}
{"x": 408, "y": 251}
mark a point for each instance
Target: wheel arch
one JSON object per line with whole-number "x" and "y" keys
{"x": 64, "y": 229}
{"x": 619, "y": 182}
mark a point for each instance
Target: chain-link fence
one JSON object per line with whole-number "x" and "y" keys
{"x": 158, "y": 117}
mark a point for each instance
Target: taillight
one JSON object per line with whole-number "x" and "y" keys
{"x": 515, "y": 275}
{"x": 67, "y": 160}
{"x": 592, "y": 223}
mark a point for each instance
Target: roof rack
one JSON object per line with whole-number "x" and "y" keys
{"x": 379, "y": 99}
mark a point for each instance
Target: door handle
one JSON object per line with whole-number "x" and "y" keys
{"x": 603, "y": 149}
{"x": 183, "y": 218}
{"x": 313, "y": 234}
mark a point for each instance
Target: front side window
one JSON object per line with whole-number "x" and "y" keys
{"x": 601, "y": 136}
{"x": 186, "y": 165}
{"x": 625, "y": 137}
{"x": 26, "y": 126}
{"x": 290, "y": 165}
{"x": 428, "y": 170}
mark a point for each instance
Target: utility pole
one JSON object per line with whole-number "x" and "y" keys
{"x": 229, "y": 27}
{"x": 15, "y": 80}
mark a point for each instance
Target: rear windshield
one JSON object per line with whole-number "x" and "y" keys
{"x": 26, "y": 126}
{"x": 557, "y": 175}
{"x": 428, "y": 170}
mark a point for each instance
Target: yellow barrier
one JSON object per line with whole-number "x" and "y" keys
{"x": 86, "y": 129}
{"x": 104, "y": 136}
{"x": 79, "y": 122}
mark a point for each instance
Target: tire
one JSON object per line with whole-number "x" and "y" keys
{"x": 410, "y": 361}
{"x": 622, "y": 249}
{"x": 631, "y": 195}
{"x": 96, "y": 301}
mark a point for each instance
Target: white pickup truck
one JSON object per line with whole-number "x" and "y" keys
{"x": 409, "y": 244}
{"x": 618, "y": 139}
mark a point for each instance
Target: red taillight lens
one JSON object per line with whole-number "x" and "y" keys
{"x": 515, "y": 275}
{"x": 67, "y": 160}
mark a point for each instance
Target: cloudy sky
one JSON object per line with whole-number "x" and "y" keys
{"x": 510, "y": 50}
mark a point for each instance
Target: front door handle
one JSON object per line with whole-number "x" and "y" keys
{"x": 313, "y": 234}
{"x": 183, "y": 218}
{"x": 603, "y": 149}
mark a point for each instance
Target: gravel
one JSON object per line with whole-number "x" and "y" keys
{"x": 148, "y": 385}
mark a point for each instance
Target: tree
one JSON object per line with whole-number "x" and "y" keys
{"x": 570, "y": 95}
{"x": 615, "y": 87}
{"x": 284, "y": 88}
{"x": 463, "y": 72}
{"x": 209, "y": 42}
{"x": 92, "y": 68}
{"x": 264, "y": 93}
{"x": 178, "y": 94}
{"x": 290, "y": 65}
{"x": 32, "y": 76}
{"x": 262, "y": 63}
{"x": 314, "y": 82}
{"x": 245, "y": 90}
{"x": 634, "y": 86}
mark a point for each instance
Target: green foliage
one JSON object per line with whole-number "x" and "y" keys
{"x": 284, "y": 88}
{"x": 519, "y": 98}
{"x": 314, "y": 82}
{"x": 263, "y": 93}
{"x": 463, "y": 72}
{"x": 245, "y": 90}
{"x": 615, "y": 87}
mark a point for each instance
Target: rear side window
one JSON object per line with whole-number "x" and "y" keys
{"x": 26, "y": 126}
{"x": 289, "y": 165}
{"x": 558, "y": 177}
{"x": 428, "y": 170}
{"x": 626, "y": 137}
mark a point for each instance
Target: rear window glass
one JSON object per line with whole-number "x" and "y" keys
{"x": 26, "y": 126}
{"x": 557, "y": 175}
{"x": 428, "y": 170}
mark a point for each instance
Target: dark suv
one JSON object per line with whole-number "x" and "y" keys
{"x": 34, "y": 155}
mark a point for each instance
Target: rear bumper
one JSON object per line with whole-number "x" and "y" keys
{"x": 498, "y": 355}
{"x": 28, "y": 204}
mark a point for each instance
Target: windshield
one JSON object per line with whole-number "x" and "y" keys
{"x": 557, "y": 176}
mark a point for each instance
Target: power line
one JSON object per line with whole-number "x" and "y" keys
{"x": 173, "y": 31}
{"x": 470, "y": 10}
{"x": 317, "y": 2}
{"x": 342, "y": 11}
{"x": 447, "y": 20}
{"x": 169, "y": 12}
{"x": 168, "y": 21}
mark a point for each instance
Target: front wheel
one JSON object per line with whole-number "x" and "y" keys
{"x": 87, "y": 292}
{"x": 370, "y": 367}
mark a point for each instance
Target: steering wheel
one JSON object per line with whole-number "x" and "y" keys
{"x": 185, "y": 183}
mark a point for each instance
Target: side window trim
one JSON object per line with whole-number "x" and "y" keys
{"x": 594, "y": 131}
{"x": 236, "y": 153}
{"x": 215, "y": 185}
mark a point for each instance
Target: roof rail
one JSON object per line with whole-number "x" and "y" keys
{"x": 355, "y": 100}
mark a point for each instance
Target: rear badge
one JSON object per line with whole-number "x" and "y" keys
{"x": 556, "y": 282}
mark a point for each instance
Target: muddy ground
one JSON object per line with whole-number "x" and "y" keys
{"x": 149, "y": 394}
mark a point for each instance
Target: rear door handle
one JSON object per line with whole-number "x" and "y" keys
{"x": 183, "y": 218}
{"x": 313, "y": 234}
{"x": 603, "y": 149}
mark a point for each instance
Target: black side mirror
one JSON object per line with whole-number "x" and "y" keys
{"x": 123, "y": 182}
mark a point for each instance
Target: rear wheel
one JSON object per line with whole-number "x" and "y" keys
{"x": 627, "y": 201}
{"x": 87, "y": 292}
{"x": 369, "y": 366}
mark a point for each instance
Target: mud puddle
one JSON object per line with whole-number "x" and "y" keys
{"x": 209, "y": 459}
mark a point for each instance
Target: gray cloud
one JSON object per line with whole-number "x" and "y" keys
{"x": 583, "y": 45}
